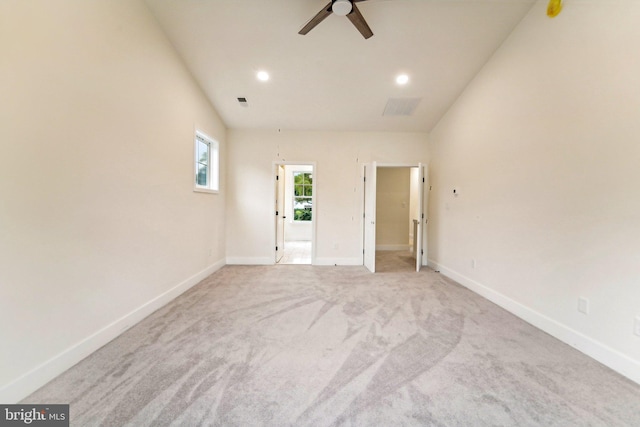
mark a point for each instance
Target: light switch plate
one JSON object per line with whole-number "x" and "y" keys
{"x": 583, "y": 305}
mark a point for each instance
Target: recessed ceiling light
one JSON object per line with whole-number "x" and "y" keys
{"x": 402, "y": 79}
{"x": 263, "y": 76}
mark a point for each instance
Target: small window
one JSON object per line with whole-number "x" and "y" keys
{"x": 207, "y": 164}
{"x": 302, "y": 196}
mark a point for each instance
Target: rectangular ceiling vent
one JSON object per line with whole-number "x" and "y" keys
{"x": 401, "y": 106}
{"x": 243, "y": 101}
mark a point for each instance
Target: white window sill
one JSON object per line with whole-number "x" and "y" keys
{"x": 205, "y": 190}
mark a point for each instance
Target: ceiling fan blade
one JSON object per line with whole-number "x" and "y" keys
{"x": 358, "y": 21}
{"x": 320, "y": 16}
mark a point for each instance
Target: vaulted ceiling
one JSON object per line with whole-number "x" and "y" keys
{"x": 332, "y": 78}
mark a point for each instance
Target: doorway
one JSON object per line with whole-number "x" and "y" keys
{"x": 394, "y": 227}
{"x": 295, "y": 213}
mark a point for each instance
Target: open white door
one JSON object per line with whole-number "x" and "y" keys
{"x": 370, "y": 216}
{"x": 425, "y": 219}
{"x": 419, "y": 232}
{"x": 279, "y": 212}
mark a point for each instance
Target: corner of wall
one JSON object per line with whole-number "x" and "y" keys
{"x": 40, "y": 375}
{"x": 604, "y": 354}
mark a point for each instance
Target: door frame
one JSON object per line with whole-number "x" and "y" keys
{"x": 369, "y": 174}
{"x": 425, "y": 202}
{"x": 280, "y": 211}
{"x": 314, "y": 222}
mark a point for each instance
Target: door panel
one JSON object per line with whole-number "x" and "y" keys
{"x": 425, "y": 210}
{"x": 370, "y": 216}
{"x": 419, "y": 232}
{"x": 280, "y": 212}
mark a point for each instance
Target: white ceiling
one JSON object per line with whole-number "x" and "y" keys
{"x": 332, "y": 78}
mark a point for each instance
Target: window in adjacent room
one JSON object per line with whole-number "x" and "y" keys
{"x": 207, "y": 164}
{"x": 302, "y": 196}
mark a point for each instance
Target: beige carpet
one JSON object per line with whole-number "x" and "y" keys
{"x": 395, "y": 262}
{"x": 325, "y": 346}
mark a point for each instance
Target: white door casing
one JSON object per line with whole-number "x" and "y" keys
{"x": 421, "y": 224}
{"x": 370, "y": 216}
{"x": 279, "y": 212}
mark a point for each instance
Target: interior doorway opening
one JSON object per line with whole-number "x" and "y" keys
{"x": 295, "y": 213}
{"x": 397, "y": 213}
{"x": 394, "y": 221}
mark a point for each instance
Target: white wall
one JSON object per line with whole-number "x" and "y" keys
{"x": 295, "y": 230}
{"x": 338, "y": 200}
{"x": 99, "y": 225}
{"x": 393, "y": 200}
{"x": 544, "y": 146}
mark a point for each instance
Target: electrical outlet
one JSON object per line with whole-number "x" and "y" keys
{"x": 473, "y": 263}
{"x": 583, "y": 305}
{"x": 636, "y": 326}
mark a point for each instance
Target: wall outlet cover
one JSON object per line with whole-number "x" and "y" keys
{"x": 583, "y": 305}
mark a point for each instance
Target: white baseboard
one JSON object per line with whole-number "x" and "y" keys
{"x": 45, "y": 372}
{"x": 270, "y": 261}
{"x": 406, "y": 247}
{"x": 250, "y": 261}
{"x": 604, "y": 354}
{"x": 338, "y": 261}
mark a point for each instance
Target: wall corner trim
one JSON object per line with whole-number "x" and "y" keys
{"x": 29, "y": 382}
{"x": 602, "y": 353}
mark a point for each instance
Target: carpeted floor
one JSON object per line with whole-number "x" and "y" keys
{"x": 395, "y": 262}
{"x": 325, "y": 346}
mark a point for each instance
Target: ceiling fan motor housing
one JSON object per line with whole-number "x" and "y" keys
{"x": 341, "y": 7}
{"x": 346, "y": 8}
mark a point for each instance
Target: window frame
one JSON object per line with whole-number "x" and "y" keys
{"x": 294, "y": 197}
{"x": 213, "y": 164}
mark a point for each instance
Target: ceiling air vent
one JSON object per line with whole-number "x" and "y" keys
{"x": 243, "y": 101}
{"x": 401, "y": 106}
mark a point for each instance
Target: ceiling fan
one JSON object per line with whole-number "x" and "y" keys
{"x": 346, "y": 8}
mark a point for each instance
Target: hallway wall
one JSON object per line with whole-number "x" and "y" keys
{"x": 393, "y": 203}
